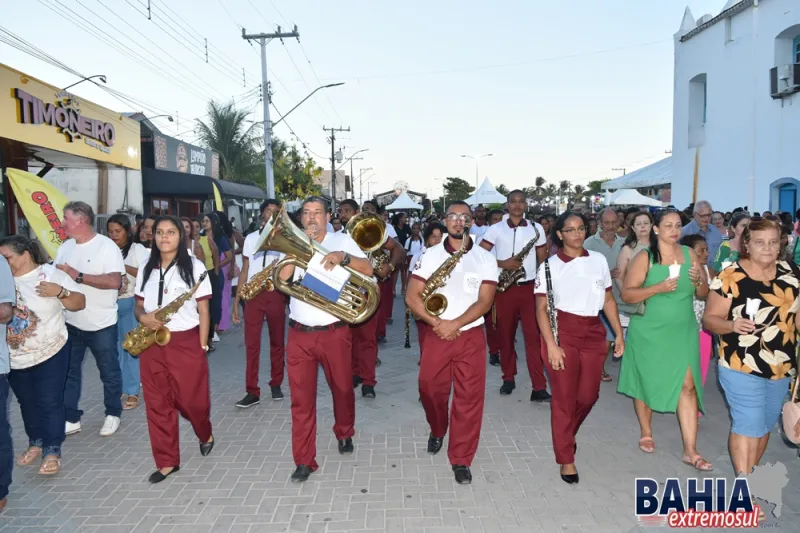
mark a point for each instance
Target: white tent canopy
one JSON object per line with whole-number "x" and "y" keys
{"x": 486, "y": 194}
{"x": 631, "y": 197}
{"x": 404, "y": 201}
{"x": 653, "y": 175}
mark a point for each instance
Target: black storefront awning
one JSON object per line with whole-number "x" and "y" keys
{"x": 244, "y": 191}
{"x": 166, "y": 183}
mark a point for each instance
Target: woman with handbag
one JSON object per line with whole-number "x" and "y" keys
{"x": 578, "y": 286}
{"x": 753, "y": 306}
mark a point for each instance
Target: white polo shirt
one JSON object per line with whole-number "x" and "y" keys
{"x": 187, "y": 316}
{"x": 306, "y": 314}
{"x": 508, "y": 240}
{"x": 580, "y": 284}
{"x": 462, "y": 288}
{"x": 96, "y": 257}
{"x": 258, "y": 260}
{"x": 137, "y": 257}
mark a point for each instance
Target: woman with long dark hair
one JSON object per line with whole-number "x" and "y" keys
{"x": 636, "y": 241}
{"x": 208, "y": 241}
{"x": 135, "y": 255}
{"x": 572, "y": 288}
{"x": 191, "y": 243}
{"x": 174, "y": 376}
{"x": 661, "y": 366}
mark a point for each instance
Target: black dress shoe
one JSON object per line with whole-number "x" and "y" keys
{"x": 570, "y": 478}
{"x": 368, "y": 391}
{"x": 158, "y": 477}
{"x": 434, "y": 444}
{"x": 508, "y": 387}
{"x": 346, "y": 445}
{"x": 301, "y": 473}
{"x": 378, "y": 361}
{"x": 381, "y": 340}
{"x": 357, "y": 381}
{"x": 277, "y": 393}
{"x": 206, "y": 447}
{"x": 249, "y": 400}
{"x": 494, "y": 359}
{"x": 540, "y": 396}
{"x": 463, "y": 474}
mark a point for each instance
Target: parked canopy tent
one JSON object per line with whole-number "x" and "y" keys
{"x": 653, "y": 175}
{"x": 631, "y": 197}
{"x": 486, "y": 194}
{"x": 403, "y": 202}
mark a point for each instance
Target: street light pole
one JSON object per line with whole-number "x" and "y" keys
{"x": 306, "y": 98}
{"x": 476, "y": 159}
{"x": 361, "y": 184}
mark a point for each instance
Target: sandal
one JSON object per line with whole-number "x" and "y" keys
{"x": 647, "y": 445}
{"x": 131, "y": 402}
{"x": 51, "y": 465}
{"x": 699, "y": 463}
{"x": 29, "y": 456}
{"x": 605, "y": 376}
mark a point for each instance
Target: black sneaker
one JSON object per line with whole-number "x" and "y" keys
{"x": 378, "y": 361}
{"x": 249, "y": 400}
{"x": 462, "y": 474}
{"x": 301, "y": 473}
{"x": 494, "y": 359}
{"x": 382, "y": 340}
{"x": 357, "y": 381}
{"x": 508, "y": 387}
{"x": 368, "y": 391}
{"x": 540, "y": 396}
{"x": 390, "y": 321}
{"x": 277, "y": 393}
{"x": 345, "y": 445}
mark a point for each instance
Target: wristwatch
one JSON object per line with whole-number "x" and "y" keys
{"x": 63, "y": 294}
{"x": 79, "y": 279}
{"x": 346, "y": 260}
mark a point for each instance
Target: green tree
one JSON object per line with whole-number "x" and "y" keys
{"x": 502, "y": 189}
{"x": 594, "y": 187}
{"x": 457, "y": 189}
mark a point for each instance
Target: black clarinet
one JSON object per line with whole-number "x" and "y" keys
{"x": 551, "y": 304}
{"x": 408, "y": 337}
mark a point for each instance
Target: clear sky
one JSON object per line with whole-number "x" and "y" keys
{"x": 566, "y": 90}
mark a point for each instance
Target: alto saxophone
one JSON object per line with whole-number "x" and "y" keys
{"x": 258, "y": 283}
{"x": 378, "y": 258}
{"x": 509, "y": 277}
{"x": 141, "y": 338}
{"x": 436, "y": 303}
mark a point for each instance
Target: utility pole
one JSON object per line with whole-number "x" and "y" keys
{"x": 263, "y": 39}
{"x": 332, "y": 140}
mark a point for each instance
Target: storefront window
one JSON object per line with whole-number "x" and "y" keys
{"x": 160, "y": 206}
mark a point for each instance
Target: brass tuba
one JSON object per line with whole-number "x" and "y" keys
{"x": 369, "y": 232}
{"x": 359, "y": 298}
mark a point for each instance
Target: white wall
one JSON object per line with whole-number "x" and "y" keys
{"x": 748, "y": 140}
{"x": 82, "y": 184}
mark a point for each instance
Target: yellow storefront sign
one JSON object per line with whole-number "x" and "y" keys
{"x": 36, "y": 113}
{"x": 43, "y": 206}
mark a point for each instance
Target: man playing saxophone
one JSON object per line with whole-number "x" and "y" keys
{"x": 454, "y": 342}
{"x": 266, "y": 305}
{"x": 516, "y": 303}
{"x": 316, "y": 338}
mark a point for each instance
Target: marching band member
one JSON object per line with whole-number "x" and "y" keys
{"x": 579, "y": 283}
{"x": 490, "y": 319}
{"x": 319, "y": 338}
{"x": 269, "y": 306}
{"x": 432, "y": 236}
{"x": 365, "y": 334}
{"x": 453, "y": 344}
{"x": 386, "y": 285}
{"x": 515, "y": 304}
{"x": 174, "y": 376}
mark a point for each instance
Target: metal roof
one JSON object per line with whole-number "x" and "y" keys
{"x": 658, "y": 173}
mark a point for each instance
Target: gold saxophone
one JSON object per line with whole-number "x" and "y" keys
{"x": 509, "y": 277}
{"x": 141, "y": 338}
{"x": 436, "y": 303}
{"x": 258, "y": 283}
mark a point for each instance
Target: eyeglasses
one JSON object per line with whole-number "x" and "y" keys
{"x": 707, "y": 215}
{"x": 453, "y": 217}
{"x": 569, "y": 231}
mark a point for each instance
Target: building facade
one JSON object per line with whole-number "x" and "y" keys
{"x": 736, "y": 114}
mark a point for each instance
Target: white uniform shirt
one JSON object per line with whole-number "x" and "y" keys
{"x": 258, "y": 260}
{"x": 508, "y": 240}
{"x": 462, "y": 288}
{"x": 187, "y": 316}
{"x": 391, "y": 232}
{"x": 98, "y": 256}
{"x": 306, "y": 314}
{"x": 413, "y": 247}
{"x": 416, "y": 257}
{"x": 478, "y": 231}
{"x": 580, "y": 284}
{"x": 137, "y": 257}
{"x": 37, "y": 330}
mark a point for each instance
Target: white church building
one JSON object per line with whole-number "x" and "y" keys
{"x": 736, "y": 115}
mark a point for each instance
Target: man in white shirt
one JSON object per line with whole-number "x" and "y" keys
{"x": 386, "y": 284}
{"x": 516, "y": 304}
{"x": 490, "y": 319}
{"x": 479, "y": 224}
{"x": 454, "y": 343}
{"x": 269, "y": 306}
{"x": 319, "y": 338}
{"x": 94, "y": 262}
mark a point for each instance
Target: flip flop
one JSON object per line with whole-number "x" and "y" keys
{"x": 699, "y": 463}
{"x": 647, "y": 445}
{"x": 605, "y": 377}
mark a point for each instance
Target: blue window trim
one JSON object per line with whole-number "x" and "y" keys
{"x": 796, "y": 49}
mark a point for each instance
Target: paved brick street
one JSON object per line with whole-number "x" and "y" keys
{"x": 390, "y": 484}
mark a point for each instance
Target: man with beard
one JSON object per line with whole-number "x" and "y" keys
{"x": 453, "y": 346}
{"x": 365, "y": 335}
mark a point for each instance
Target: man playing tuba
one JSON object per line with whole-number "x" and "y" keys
{"x": 317, "y": 337}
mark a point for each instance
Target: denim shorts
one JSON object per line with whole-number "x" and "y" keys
{"x": 755, "y": 402}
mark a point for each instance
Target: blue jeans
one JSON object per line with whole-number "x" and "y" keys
{"x": 103, "y": 344}
{"x": 755, "y": 402}
{"x": 6, "y": 445}
{"x": 128, "y": 364}
{"x": 40, "y": 393}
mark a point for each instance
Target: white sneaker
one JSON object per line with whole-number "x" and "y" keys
{"x": 216, "y": 338}
{"x": 110, "y": 426}
{"x": 72, "y": 427}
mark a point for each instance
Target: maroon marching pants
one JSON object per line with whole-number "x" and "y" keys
{"x": 576, "y": 388}
{"x": 272, "y": 306}
{"x": 365, "y": 349}
{"x": 385, "y": 306}
{"x": 305, "y": 351}
{"x": 516, "y": 305}
{"x": 422, "y": 329}
{"x": 492, "y": 337}
{"x": 459, "y": 364}
{"x": 175, "y": 380}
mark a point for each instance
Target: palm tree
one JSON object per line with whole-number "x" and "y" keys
{"x": 240, "y": 146}
{"x": 550, "y": 193}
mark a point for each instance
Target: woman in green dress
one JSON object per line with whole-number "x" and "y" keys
{"x": 661, "y": 365}
{"x": 728, "y": 252}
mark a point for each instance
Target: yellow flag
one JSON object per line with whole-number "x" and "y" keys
{"x": 43, "y": 206}
{"x": 217, "y": 198}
